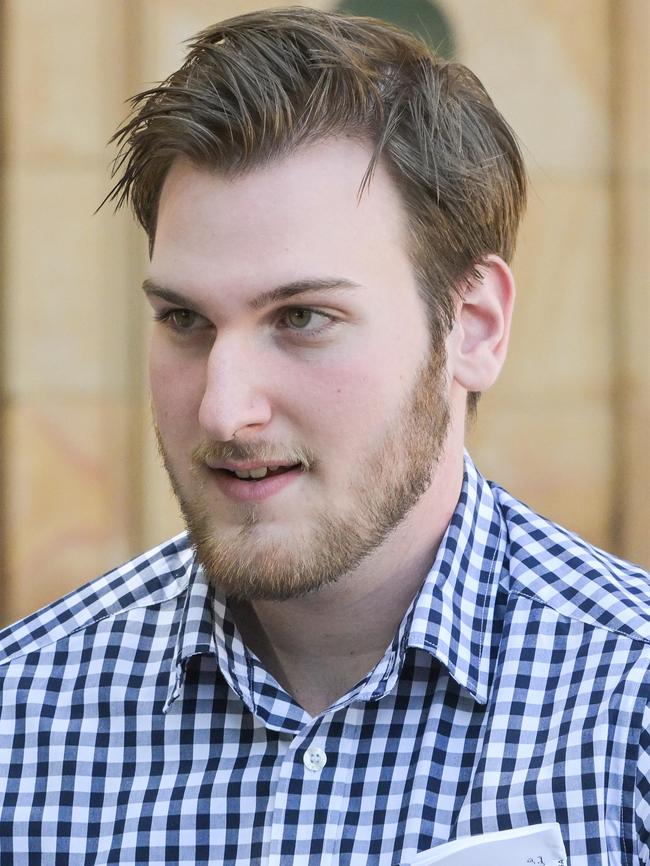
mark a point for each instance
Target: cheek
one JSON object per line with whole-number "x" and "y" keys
{"x": 351, "y": 394}
{"x": 176, "y": 389}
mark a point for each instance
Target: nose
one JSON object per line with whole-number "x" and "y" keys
{"x": 234, "y": 400}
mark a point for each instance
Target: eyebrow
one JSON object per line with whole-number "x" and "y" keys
{"x": 265, "y": 299}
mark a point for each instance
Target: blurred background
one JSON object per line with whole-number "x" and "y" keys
{"x": 565, "y": 429}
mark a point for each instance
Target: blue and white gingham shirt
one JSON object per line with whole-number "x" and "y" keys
{"x": 135, "y": 727}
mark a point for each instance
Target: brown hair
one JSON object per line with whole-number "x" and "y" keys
{"x": 257, "y": 86}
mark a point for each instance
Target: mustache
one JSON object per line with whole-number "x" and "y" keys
{"x": 264, "y": 452}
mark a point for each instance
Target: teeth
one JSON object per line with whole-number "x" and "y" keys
{"x": 253, "y": 473}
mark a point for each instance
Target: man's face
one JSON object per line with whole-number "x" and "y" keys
{"x": 291, "y": 335}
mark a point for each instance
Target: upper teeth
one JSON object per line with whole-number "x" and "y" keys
{"x": 252, "y": 473}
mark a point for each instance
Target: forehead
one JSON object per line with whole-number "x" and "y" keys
{"x": 302, "y": 208}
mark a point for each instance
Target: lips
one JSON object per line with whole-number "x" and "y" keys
{"x": 251, "y": 489}
{"x": 259, "y": 472}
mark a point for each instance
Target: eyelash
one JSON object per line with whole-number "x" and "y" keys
{"x": 313, "y": 332}
{"x": 165, "y": 317}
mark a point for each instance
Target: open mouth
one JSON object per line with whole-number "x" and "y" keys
{"x": 254, "y": 475}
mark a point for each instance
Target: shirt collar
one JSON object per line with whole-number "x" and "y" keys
{"x": 455, "y": 616}
{"x": 207, "y": 629}
{"x": 196, "y": 632}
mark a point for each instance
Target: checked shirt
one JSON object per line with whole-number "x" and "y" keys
{"x": 135, "y": 727}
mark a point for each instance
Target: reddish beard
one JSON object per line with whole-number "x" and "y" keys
{"x": 248, "y": 563}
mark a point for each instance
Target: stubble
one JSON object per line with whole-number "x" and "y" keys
{"x": 247, "y": 565}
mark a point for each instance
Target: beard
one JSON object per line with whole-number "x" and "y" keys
{"x": 248, "y": 564}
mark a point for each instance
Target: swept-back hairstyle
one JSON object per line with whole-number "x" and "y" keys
{"x": 257, "y": 86}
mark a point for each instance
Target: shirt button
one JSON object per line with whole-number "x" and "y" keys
{"x": 314, "y": 759}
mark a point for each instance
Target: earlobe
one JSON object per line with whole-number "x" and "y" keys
{"x": 478, "y": 342}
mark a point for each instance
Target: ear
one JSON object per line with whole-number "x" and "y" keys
{"x": 478, "y": 342}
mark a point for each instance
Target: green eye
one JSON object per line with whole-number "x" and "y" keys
{"x": 304, "y": 323}
{"x": 299, "y": 318}
{"x": 182, "y": 319}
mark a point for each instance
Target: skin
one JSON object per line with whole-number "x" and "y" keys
{"x": 224, "y": 372}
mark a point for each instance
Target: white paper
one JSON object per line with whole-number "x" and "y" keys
{"x": 539, "y": 845}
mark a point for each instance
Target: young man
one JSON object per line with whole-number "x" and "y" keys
{"x": 360, "y": 650}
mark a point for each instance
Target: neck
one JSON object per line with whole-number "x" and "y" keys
{"x": 319, "y": 646}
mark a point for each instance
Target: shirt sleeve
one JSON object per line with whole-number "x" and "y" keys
{"x": 643, "y": 791}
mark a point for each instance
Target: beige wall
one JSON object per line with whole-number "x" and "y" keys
{"x": 566, "y": 428}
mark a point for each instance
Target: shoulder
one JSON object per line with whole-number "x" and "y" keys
{"x": 575, "y": 578}
{"x": 158, "y": 576}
